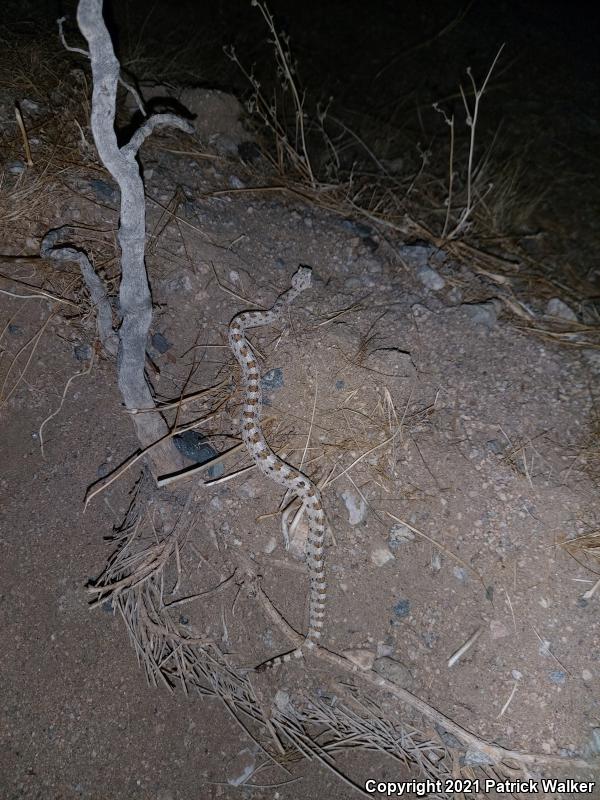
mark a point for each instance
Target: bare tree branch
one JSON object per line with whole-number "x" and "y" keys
{"x": 134, "y": 293}
{"x": 50, "y": 249}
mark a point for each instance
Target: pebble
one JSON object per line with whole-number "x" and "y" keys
{"x": 400, "y": 534}
{"x": 484, "y": 314}
{"x": 273, "y": 379}
{"x": 193, "y": 445}
{"x": 82, "y": 352}
{"x": 282, "y": 700}
{"x": 160, "y": 343}
{"x": 401, "y": 608}
{"x": 476, "y": 758}
{"x": 460, "y": 573}
{"x": 544, "y": 648}
{"x": 431, "y": 279}
{"x": 558, "y": 676}
{"x": 241, "y": 767}
{"x": 15, "y": 167}
{"x": 363, "y": 658}
{"x": 357, "y": 508}
{"x": 381, "y": 556}
{"x": 556, "y": 308}
{"x": 417, "y": 255}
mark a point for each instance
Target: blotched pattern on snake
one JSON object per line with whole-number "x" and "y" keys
{"x": 272, "y": 466}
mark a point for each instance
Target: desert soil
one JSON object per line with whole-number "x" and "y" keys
{"x": 457, "y": 448}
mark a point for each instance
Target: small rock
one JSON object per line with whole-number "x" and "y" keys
{"x": 363, "y": 659}
{"x": 394, "y": 671}
{"x": 482, "y": 313}
{"x": 460, "y": 573}
{"x": 544, "y": 648}
{"x": 517, "y": 674}
{"x": 556, "y": 308}
{"x": 401, "y": 608}
{"x": 160, "y": 343}
{"x": 558, "y": 676}
{"x": 340, "y": 384}
{"x": 436, "y": 561}
{"x": 241, "y": 767}
{"x": 273, "y": 379}
{"x": 400, "y": 534}
{"x": 420, "y": 312}
{"x": 431, "y": 279}
{"x": 282, "y": 700}
{"x": 449, "y": 739}
{"x": 384, "y": 649}
{"x": 357, "y": 508}
{"x": 30, "y": 106}
{"x": 475, "y": 758}
{"x": 15, "y": 167}
{"x": 498, "y": 630}
{"x": 270, "y": 545}
{"x": 193, "y": 445}
{"x": 235, "y": 182}
{"x": 82, "y": 352}
{"x": 417, "y": 255}
{"x": 381, "y": 556}
{"x": 594, "y": 746}
{"x": 15, "y": 330}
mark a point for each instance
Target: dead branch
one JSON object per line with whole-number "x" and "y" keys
{"x": 135, "y": 302}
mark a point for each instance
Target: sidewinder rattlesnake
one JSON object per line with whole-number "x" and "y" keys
{"x": 272, "y": 466}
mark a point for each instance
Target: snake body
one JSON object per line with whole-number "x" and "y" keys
{"x": 274, "y": 467}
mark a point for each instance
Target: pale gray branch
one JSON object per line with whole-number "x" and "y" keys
{"x": 134, "y": 293}
{"x": 60, "y": 252}
{"x": 138, "y": 138}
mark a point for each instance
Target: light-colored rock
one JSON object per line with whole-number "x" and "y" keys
{"x": 241, "y": 766}
{"x": 381, "y": 556}
{"x": 431, "y": 279}
{"x": 400, "y": 534}
{"x": 363, "y": 659}
{"x": 485, "y": 314}
{"x": 556, "y": 308}
{"x": 357, "y": 508}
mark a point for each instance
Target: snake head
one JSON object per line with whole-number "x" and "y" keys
{"x": 302, "y": 279}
